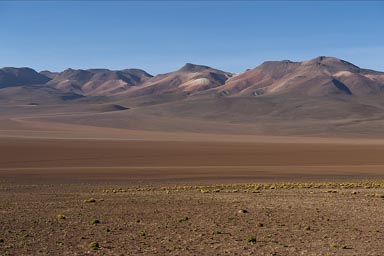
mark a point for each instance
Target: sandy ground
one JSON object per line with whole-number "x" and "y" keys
{"x": 65, "y": 159}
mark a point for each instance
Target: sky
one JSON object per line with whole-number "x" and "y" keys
{"x": 161, "y": 36}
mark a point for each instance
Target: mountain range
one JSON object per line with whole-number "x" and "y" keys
{"x": 322, "y": 76}
{"x": 319, "y": 96}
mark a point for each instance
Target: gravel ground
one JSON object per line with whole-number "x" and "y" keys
{"x": 232, "y": 219}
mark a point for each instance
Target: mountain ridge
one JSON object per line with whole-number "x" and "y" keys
{"x": 321, "y": 76}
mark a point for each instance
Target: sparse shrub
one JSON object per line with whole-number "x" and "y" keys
{"x": 95, "y": 222}
{"x": 94, "y": 246}
{"x": 259, "y": 225}
{"x": 217, "y": 232}
{"x": 251, "y": 239}
{"x": 375, "y": 195}
{"x": 61, "y": 217}
{"x": 90, "y": 200}
{"x": 307, "y": 228}
{"x": 340, "y": 246}
{"x": 183, "y": 219}
{"x": 1, "y": 240}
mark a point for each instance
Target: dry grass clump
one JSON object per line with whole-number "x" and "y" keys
{"x": 330, "y": 187}
{"x": 94, "y": 246}
{"x": 61, "y": 217}
{"x": 378, "y": 195}
{"x": 183, "y": 219}
{"x": 334, "y": 245}
{"x": 95, "y": 222}
{"x": 251, "y": 239}
{"x": 90, "y": 200}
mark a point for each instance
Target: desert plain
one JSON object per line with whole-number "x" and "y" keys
{"x": 68, "y": 189}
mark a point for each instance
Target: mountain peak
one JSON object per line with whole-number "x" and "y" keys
{"x": 325, "y": 59}
{"x": 189, "y": 67}
{"x": 330, "y": 61}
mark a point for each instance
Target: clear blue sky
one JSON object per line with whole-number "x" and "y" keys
{"x": 161, "y": 36}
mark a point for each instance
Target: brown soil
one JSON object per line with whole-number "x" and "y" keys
{"x": 87, "y": 159}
